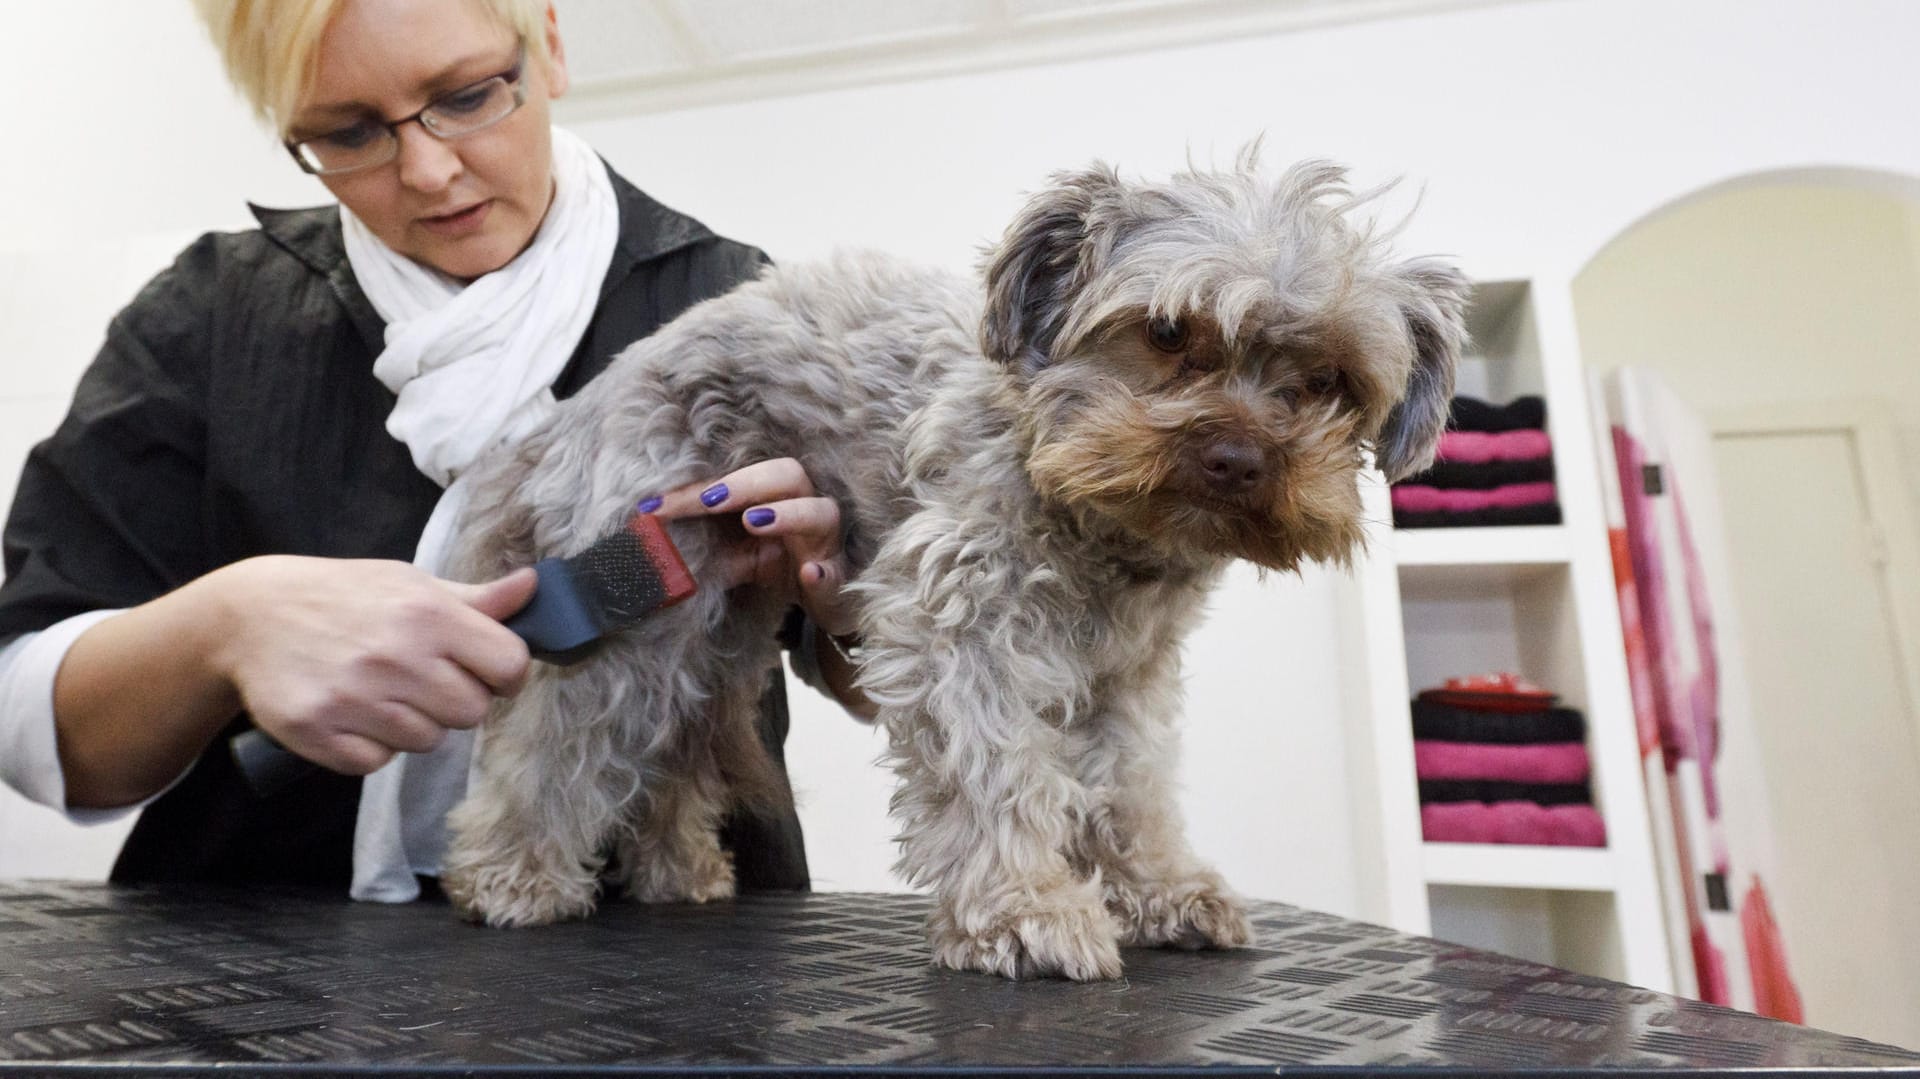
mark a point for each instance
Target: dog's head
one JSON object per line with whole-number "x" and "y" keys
{"x": 1205, "y": 360}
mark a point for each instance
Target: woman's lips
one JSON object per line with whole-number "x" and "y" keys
{"x": 460, "y": 222}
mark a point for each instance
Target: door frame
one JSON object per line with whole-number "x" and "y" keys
{"x": 1868, "y": 426}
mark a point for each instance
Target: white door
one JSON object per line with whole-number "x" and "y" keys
{"x": 1836, "y": 729}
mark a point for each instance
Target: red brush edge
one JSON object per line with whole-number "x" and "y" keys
{"x": 664, "y": 555}
{"x": 624, "y": 576}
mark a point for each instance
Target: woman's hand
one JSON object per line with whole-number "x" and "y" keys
{"x": 795, "y": 544}
{"x": 349, "y": 662}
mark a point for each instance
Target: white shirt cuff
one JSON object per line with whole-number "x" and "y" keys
{"x": 29, "y": 748}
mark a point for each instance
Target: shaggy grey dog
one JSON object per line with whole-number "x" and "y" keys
{"x": 1040, "y": 479}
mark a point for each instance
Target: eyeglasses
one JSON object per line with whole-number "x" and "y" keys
{"x": 371, "y": 142}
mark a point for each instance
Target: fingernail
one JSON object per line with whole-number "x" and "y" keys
{"x": 714, "y": 495}
{"x": 760, "y": 517}
{"x": 649, "y": 504}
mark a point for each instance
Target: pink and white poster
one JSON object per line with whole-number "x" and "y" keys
{"x": 1696, "y": 741}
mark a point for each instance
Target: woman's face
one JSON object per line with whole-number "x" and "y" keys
{"x": 465, "y": 207}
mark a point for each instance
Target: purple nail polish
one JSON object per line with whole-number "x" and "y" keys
{"x": 760, "y": 517}
{"x": 714, "y": 495}
{"x": 649, "y": 504}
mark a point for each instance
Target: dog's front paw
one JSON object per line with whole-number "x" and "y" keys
{"x": 1191, "y": 914}
{"x": 1070, "y": 939}
{"x": 506, "y": 899}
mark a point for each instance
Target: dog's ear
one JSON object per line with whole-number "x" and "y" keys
{"x": 1434, "y": 303}
{"x": 1037, "y": 266}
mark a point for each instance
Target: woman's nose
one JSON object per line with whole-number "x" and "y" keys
{"x": 426, "y": 163}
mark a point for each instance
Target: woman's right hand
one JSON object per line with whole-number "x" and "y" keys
{"x": 343, "y": 662}
{"x": 347, "y": 663}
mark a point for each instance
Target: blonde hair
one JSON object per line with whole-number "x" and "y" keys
{"x": 271, "y": 47}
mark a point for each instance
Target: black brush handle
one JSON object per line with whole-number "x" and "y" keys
{"x": 266, "y": 765}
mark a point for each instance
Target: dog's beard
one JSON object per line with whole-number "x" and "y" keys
{"x": 1119, "y": 457}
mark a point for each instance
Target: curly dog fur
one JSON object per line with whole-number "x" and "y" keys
{"x": 1041, "y": 472}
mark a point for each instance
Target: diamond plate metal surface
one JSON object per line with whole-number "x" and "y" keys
{"x": 115, "y": 980}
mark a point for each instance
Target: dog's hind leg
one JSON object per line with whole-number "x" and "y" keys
{"x": 705, "y": 760}
{"x": 526, "y": 843}
{"x": 668, "y": 848}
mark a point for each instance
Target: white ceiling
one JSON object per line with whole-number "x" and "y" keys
{"x": 650, "y": 54}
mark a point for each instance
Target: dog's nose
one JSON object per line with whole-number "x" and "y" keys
{"x": 1232, "y": 465}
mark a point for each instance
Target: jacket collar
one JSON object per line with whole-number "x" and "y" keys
{"x": 648, "y": 231}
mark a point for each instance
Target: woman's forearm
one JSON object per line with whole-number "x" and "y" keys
{"x": 138, "y": 696}
{"x": 343, "y": 662}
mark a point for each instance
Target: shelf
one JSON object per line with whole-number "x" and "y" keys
{"x": 1538, "y": 601}
{"x": 1493, "y": 865}
{"x": 1518, "y": 545}
{"x": 1503, "y": 358}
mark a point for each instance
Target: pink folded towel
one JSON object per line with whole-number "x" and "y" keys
{"x": 1542, "y": 762}
{"x": 1513, "y": 822}
{"x": 1478, "y": 447}
{"x": 1419, "y": 498}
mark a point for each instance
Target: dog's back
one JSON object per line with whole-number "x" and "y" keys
{"x": 822, "y": 362}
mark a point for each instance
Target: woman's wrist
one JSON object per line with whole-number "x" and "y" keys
{"x": 216, "y": 613}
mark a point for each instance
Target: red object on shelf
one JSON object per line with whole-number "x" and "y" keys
{"x": 1498, "y": 692}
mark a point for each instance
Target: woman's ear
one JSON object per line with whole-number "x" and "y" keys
{"x": 557, "y": 80}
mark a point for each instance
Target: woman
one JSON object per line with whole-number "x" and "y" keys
{"x": 220, "y": 532}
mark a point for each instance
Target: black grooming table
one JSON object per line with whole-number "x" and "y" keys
{"x": 173, "y": 981}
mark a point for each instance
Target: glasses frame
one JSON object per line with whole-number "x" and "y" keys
{"x": 512, "y": 76}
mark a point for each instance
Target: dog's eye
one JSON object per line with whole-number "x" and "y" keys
{"x": 1326, "y": 383}
{"x": 1167, "y": 334}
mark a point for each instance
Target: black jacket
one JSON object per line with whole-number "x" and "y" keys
{"x": 233, "y": 412}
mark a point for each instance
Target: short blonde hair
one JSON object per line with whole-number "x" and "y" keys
{"x": 271, "y": 47}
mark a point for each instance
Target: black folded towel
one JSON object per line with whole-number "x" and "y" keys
{"x": 1544, "y": 513}
{"x": 1493, "y": 790}
{"x": 1520, "y": 414}
{"x": 1450, "y": 723}
{"x": 1484, "y": 476}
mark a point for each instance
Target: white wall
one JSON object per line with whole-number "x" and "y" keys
{"x": 1781, "y": 290}
{"x": 1538, "y": 132}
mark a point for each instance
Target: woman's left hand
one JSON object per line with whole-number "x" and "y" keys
{"x": 794, "y": 535}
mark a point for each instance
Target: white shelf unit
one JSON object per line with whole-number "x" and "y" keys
{"x": 1536, "y": 600}
{"x": 1497, "y": 865}
{"x": 1522, "y": 545}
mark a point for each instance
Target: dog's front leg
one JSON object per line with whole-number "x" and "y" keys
{"x": 974, "y": 706}
{"x": 1159, "y": 890}
{"x": 986, "y": 813}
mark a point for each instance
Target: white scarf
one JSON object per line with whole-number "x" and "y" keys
{"x": 472, "y": 366}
